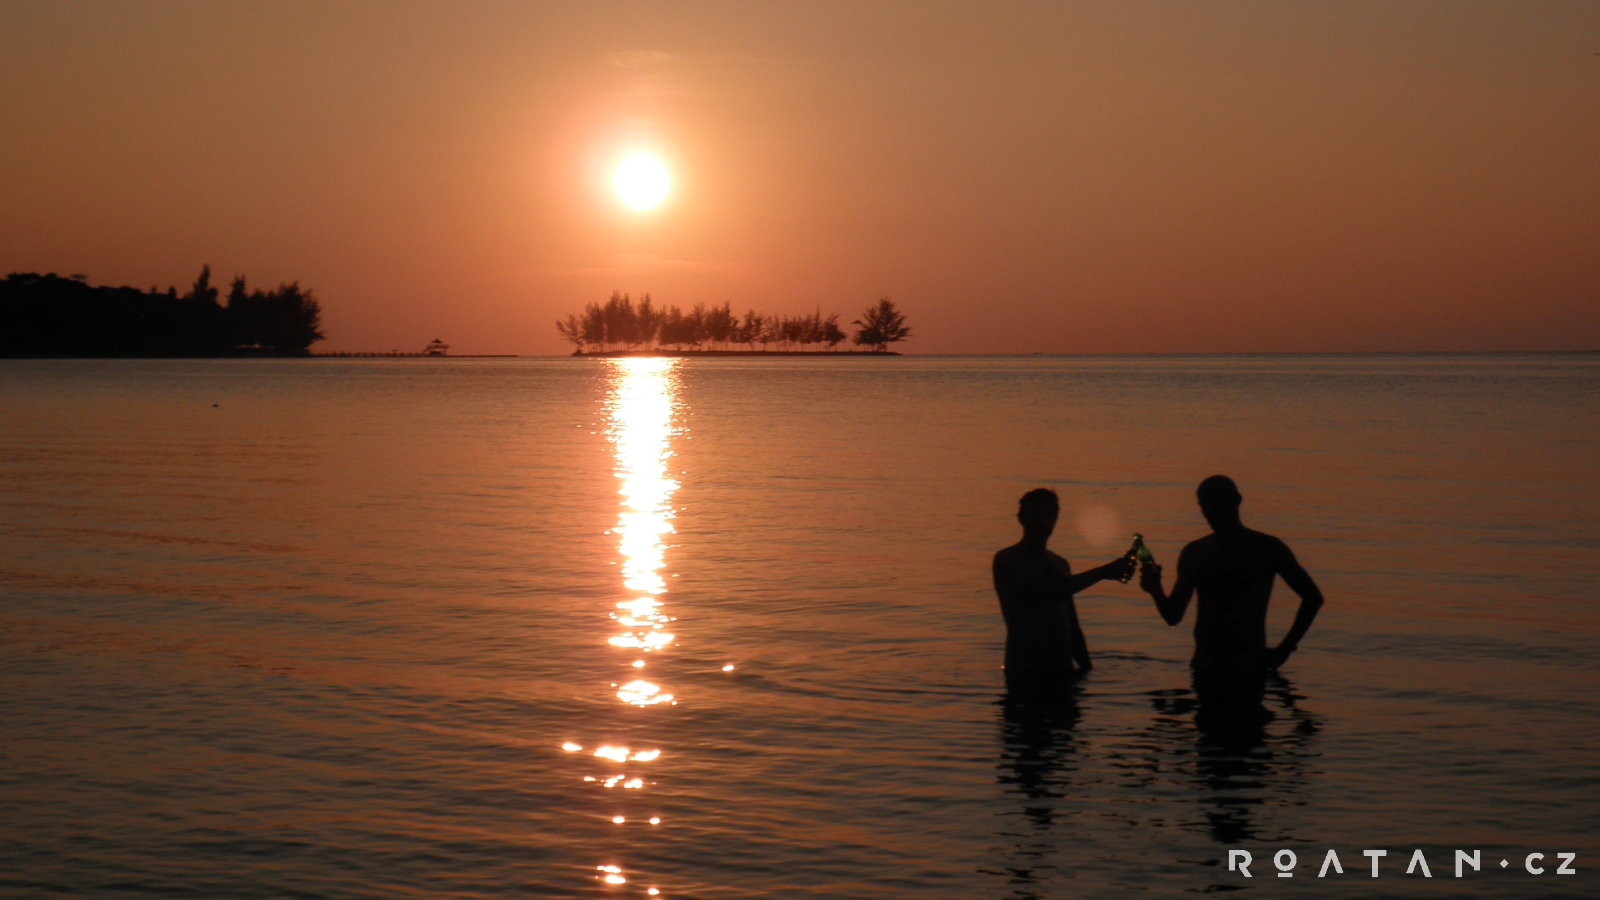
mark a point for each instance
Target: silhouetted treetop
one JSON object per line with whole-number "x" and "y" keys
{"x": 881, "y": 325}
{"x": 203, "y": 292}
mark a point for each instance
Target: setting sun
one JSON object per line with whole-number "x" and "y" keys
{"x": 641, "y": 181}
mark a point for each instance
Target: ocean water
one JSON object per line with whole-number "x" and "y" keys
{"x": 333, "y": 628}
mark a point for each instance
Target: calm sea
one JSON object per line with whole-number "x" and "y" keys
{"x": 339, "y": 628}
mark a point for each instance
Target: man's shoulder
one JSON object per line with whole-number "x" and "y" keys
{"x": 1273, "y": 546}
{"x": 1266, "y": 540}
{"x": 1007, "y": 557}
{"x": 1016, "y": 556}
{"x": 1251, "y": 536}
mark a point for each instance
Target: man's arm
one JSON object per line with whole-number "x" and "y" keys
{"x": 1300, "y": 582}
{"x": 1041, "y": 582}
{"x": 1109, "y": 572}
{"x": 1170, "y": 606}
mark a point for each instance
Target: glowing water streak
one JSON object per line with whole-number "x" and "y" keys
{"x": 641, "y": 410}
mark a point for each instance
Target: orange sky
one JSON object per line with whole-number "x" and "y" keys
{"x": 1061, "y": 178}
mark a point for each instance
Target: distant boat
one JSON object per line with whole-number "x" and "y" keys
{"x": 435, "y": 347}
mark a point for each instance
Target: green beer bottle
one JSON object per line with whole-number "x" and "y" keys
{"x": 1139, "y": 553}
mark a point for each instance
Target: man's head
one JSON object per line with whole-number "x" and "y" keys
{"x": 1037, "y": 511}
{"x": 1219, "y": 502}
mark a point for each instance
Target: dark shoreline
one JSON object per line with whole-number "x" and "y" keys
{"x": 675, "y": 353}
{"x": 50, "y": 317}
{"x": 1320, "y": 354}
{"x": 399, "y": 354}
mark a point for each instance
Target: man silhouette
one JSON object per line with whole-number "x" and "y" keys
{"x": 1232, "y": 570}
{"x": 1044, "y": 642}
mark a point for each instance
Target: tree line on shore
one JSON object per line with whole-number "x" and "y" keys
{"x": 47, "y": 315}
{"x": 622, "y": 323}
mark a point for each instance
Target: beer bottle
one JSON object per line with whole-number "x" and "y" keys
{"x": 1139, "y": 553}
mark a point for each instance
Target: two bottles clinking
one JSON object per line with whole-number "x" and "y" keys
{"x": 1138, "y": 553}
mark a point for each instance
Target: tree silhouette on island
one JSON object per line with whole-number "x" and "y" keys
{"x": 622, "y": 326}
{"x": 881, "y": 325}
{"x": 51, "y": 316}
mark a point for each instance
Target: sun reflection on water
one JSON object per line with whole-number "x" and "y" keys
{"x": 642, "y": 693}
{"x": 641, "y": 431}
{"x": 640, "y": 411}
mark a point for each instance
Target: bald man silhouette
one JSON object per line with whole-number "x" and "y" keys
{"x": 1232, "y": 570}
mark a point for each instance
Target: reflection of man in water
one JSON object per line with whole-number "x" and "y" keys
{"x": 1232, "y": 570}
{"x": 1044, "y": 642}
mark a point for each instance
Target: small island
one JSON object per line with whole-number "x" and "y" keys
{"x": 51, "y": 316}
{"x": 621, "y": 327}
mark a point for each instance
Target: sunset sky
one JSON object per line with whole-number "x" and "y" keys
{"x": 1114, "y": 177}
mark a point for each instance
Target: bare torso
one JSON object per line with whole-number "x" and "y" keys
{"x": 1036, "y": 602}
{"x": 1232, "y": 573}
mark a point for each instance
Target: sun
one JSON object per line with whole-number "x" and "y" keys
{"x": 641, "y": 181}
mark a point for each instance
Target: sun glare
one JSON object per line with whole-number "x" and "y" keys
{"x": 641, "y": 181}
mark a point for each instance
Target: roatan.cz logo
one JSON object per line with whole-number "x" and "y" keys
{"x": 1286, "y": 861}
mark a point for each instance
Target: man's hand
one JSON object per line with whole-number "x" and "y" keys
{"x": 1277, "y": 656}
{"x": 1150, "y": 579}
{"x": 1119, "y": 568}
